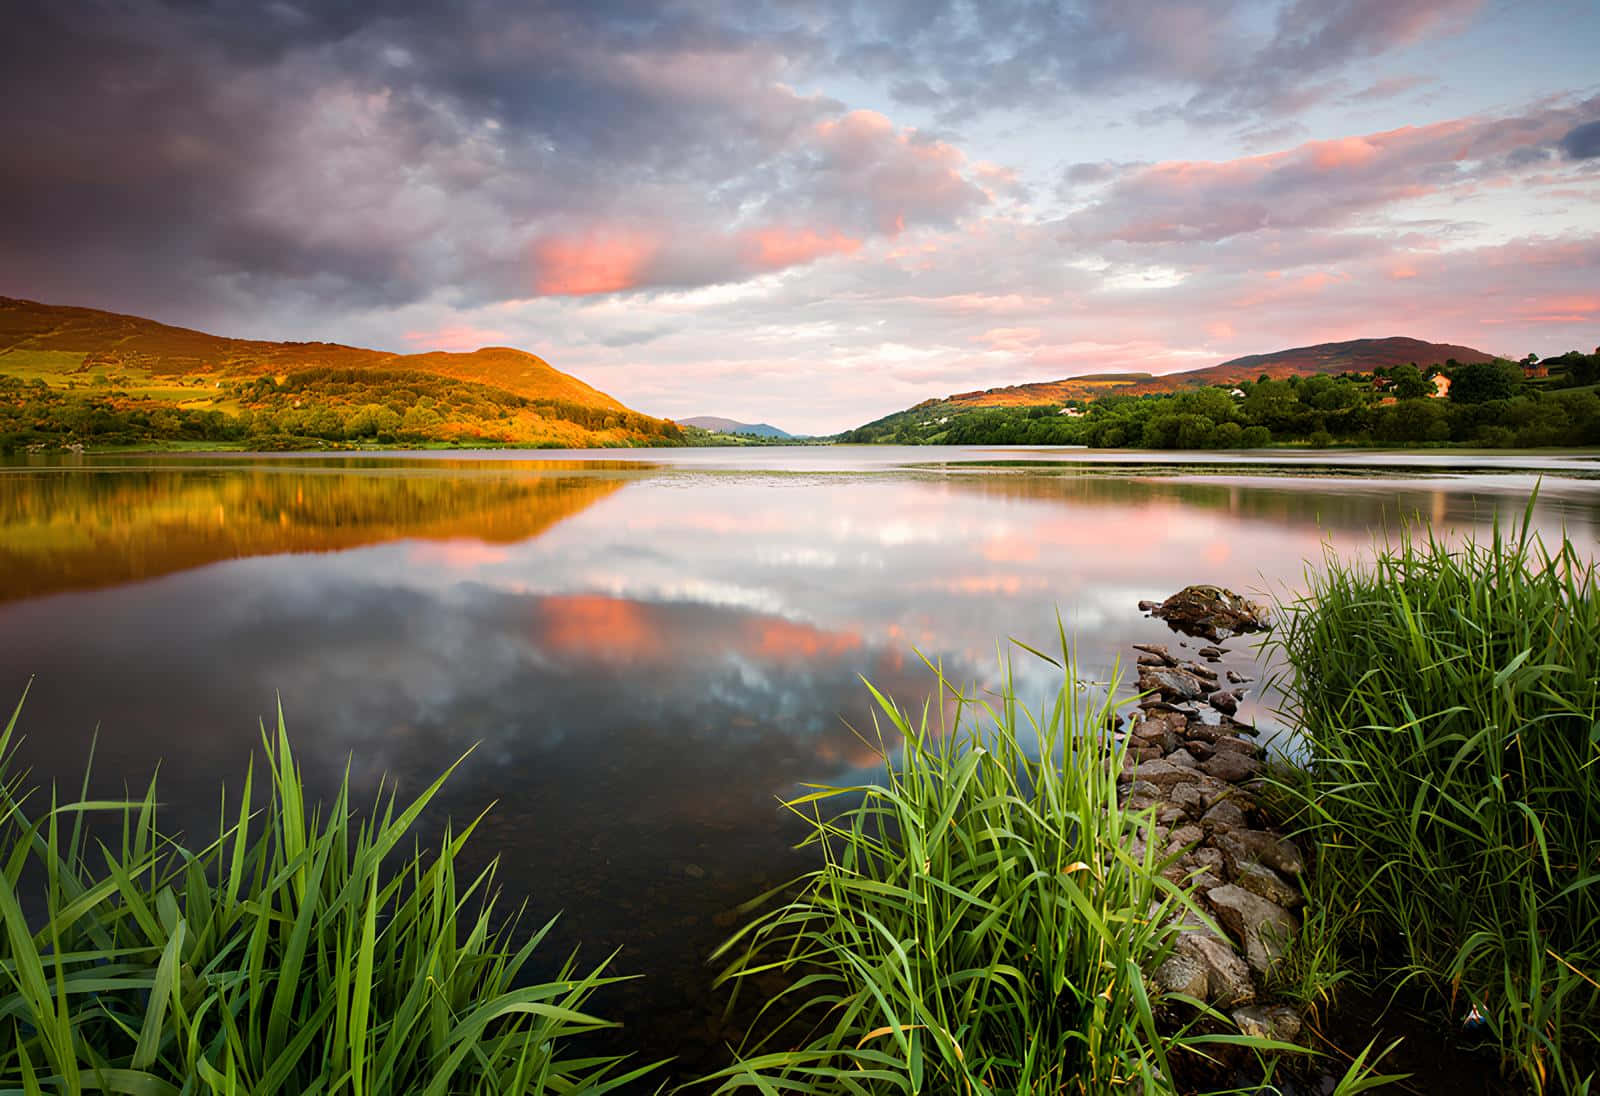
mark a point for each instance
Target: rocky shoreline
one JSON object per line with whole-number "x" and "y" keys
{"x": 1192, "y": 763}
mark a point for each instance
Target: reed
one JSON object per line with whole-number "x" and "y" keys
{"x": 982, "y": 920}
{"x": 300, "y": 951}
{"x": 1448, "y": 703}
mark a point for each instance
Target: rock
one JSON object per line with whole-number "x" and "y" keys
{"x": 1225, "y": 702}
{"x": 1157, "y": 650}
{"x": 1185, "y": 836}
{"x": 1230, "y": 766}
{"x": 1277, "y": 1022}
{"x": 1199, "y": 748}
{"x": 1223, "y": 817}
{"x": 1146, "y": 606}
{"x": 1264, "y": 928}
{"x": 1189, "y": 797}
{"x": 1184, "y": 758}
{"x": 1168, "y": 683}
{"x": 1151, "y": 660}
{"x": 1205, "y": 732}
{"x": 1212, "y": 652}
{"x": 1208, "y": 866}
{"x": 1147, "y": 751}
{"x": 1212, "y": 612}
{"x": 1267, "y": 848}
{"x": 1202, "y": 672}
{"x": 1207, "y": 969}
{"x": 1237, "y": 745}
{"x": 1236, "y": 678}
{"x": 1260, "y": 879}
{"x": 1171, "y": 813}
{"x": 1164, "y": 774}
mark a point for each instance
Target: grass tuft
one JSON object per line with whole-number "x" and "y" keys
{"x": 300, "y": 951}
{"x": 1449, "y": 704}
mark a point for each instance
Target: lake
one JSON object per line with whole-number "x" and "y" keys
{"x": 643, "y": 650}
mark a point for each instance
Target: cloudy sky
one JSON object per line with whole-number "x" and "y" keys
{"x": 812, "y": 212}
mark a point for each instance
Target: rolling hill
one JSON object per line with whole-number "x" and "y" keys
{"x": 730, "y": 426}
{"x": 1354, "y": 356}
{"x": 130, "y": 365}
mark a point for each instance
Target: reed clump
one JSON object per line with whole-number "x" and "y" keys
{"x": 1448, "y": 701}
{"x": 982, "y": 920}
{"x": 298, "y": 951}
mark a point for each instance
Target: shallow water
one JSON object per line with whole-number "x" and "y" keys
{"x": 646, "y": 649}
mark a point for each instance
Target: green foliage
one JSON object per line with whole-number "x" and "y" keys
{"x": 1481, "y": 382}
{"x": 981, "y": 922}
{"x": 1490, "y": 405}
{"x": 294, "y": 953}
{"x": 1449, "y": 703}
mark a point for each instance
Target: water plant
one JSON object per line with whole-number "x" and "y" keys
{"x": 981, "y": 922}
{"x": 1447, "y": 698}
{"x": 299, "y": 951}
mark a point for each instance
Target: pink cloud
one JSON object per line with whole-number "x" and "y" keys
{"x": 579, "y": 266}
{"x": 459, "y": 336}
{"x": 776, "y": 248}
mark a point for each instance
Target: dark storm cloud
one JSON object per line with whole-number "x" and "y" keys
{"x": 1583, "y": 142}
{"x": 367, "y": 154}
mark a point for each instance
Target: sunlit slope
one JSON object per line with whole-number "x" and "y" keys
{"x": 124, "y": 364}
{"x": 1352, "y": 356}
{"x": 63, "y": 531}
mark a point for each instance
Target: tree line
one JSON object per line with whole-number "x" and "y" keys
{"x": 1489, "y": 404}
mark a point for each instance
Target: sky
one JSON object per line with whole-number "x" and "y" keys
{"x": 812, "y": 212}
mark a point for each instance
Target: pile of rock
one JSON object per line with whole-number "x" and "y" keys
{"x": 1192, "y": 763}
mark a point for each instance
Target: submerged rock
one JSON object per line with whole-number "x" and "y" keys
{"x": 1279, "y": 1022}
{"x": 1212, "y": 612}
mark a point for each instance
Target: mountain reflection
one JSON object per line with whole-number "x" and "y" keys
{"x": 86, "y": 528}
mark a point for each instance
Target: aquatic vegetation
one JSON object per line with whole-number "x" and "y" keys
{"x": 1448, "y": 699}
{"x": 981, "y": 923}
{"x": 299, "y": 951}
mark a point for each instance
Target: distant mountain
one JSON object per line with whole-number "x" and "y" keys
{"x": 1354, "y": 356}
{"x": 492, "y": 394}
{"x": 729, "y": 426}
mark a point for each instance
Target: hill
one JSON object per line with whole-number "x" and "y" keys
{"x": 93, "y": 364}
{"x": 1354, "y": 356}
{"x": 729, "y": 426}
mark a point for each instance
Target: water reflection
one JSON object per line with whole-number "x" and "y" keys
{"x": 644, "y": 658}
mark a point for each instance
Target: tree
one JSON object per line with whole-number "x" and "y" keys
{"x": 1408, "y": 383}
{"x": 1481, "y": 382}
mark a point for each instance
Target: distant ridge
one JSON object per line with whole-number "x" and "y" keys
{"x": 731, "y": 426}
{"x": 1353, "y": 356}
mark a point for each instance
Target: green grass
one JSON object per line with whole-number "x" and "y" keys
{"x": 979, "y": 924}
{"x": 1449, "y": 707}
{"x": 297, "y": 952}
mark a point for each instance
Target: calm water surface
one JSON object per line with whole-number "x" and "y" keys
{"x": 647, "y": 652}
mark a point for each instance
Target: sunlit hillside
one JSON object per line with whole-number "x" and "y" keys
{"x": 101, "y": 378}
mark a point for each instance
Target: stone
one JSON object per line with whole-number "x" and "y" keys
{"x": 1206, "y": 969}
{"x": 1171, "y": 813}
{"x": 1275, "y": 852}
{"x": 1212, "y": 652}
{"x": 1229, "y": 766}
{"x": 1212, "y": 612}
{"x": 1237, "y": 745}
{"x": 1208, "y": 867}
{"x": 1263, "y": 928}
{"x": 1158, "y": 650}
{"x": 1151, "y": 660}
{"x": 1260, "y": 879}
{"x": 1189, "y": 797}
{"x": 1223, "y": 817}
{"x": 1184, "y": 758}
{"x": 1147, "y": 752}
{"x": 1168, "y": 683}
{"x": 1146, "y": 606}
{"x": 1277, "y": 1022}
{"x": 1200, "y": 671}
{"x": 1164, "y": 774}
{"x": 1224, "y": 701}
{"x": 1184, "y": 836}
{"x": 1236, "y": 678}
